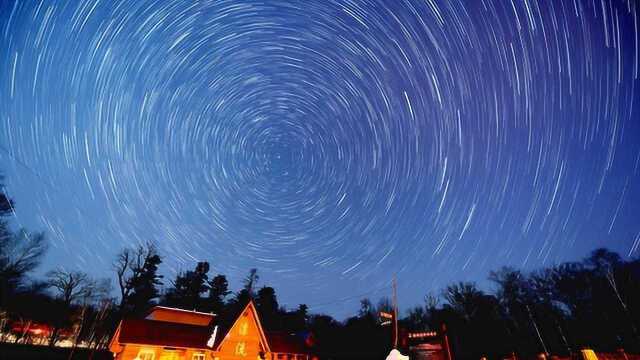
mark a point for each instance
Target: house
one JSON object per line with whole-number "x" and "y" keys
{"x": 175, "y": 334}
{"x": 36, "y": 332}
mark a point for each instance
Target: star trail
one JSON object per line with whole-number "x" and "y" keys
{"x": 330, "y": 144}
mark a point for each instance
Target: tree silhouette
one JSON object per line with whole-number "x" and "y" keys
{"x": 188, "y": 287}
{"x": 267, "y": 305}
{"x": 138, "y": 278}
{"x": 218, "y": 291}
{"x": 250, "y": 282}
{"x": 20, "y": 252}
{"x": 71, "y": 288}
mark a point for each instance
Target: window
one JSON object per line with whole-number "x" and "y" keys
{"x": 240, "y": 349}
{"x": 198, "y": 356}
{"x": 244, "y": 328}
{"x": 170, "y": 355}
{"x": 145, "y": 354}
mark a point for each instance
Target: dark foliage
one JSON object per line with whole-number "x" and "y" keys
{"x": 593, "y": 303}
{"x": 218, "y": 291}
{"x": 138, "y": 279}
{"x": 188, "y": 288}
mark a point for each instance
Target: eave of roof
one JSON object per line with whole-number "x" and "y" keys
{"x": 162, "y": 333}
{"x": 182, "y": 310}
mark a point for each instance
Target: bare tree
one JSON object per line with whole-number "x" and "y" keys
{"x": 431, "y": 301}
{"x": 20, "y": 253}
{"x": 464, "y": 298}
{"x": 128, "y": 266}
{"x": 71, "y": 287}
{"x": 122, "y": 266}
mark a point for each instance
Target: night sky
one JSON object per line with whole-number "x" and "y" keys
{"x": 330, "y": 144}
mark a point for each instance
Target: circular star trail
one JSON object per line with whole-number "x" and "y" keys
{"x": 328, "y": 143}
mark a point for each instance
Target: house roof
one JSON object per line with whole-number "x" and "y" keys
{"x": 176, "y": 315}
{"x": 249, "y": 307}
{"x": 283, "y": 342}
{"x": 183, "y": 335}
{"x": 274, "y": 341}
{"x": 162, "y": 333}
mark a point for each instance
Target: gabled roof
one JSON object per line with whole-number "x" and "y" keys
{"x": 273, "y": 341}
{"x": 249, "y": 307}
{"x": 162, "y": 333}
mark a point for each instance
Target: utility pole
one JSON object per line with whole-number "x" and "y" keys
{"x": 446, "y": 341}
{"x": 544, "y": 347}
{"x": 395, "y": 313}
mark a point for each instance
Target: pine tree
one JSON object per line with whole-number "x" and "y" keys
{"x": 144, "y": 286}
{"x": 188, "y": 288}
{"x": 267, "y": 305}
{"x": 218, "y": 291}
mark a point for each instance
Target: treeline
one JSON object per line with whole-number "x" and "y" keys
{"x": 557, "y": 310}
{"x": 142, "y": 288}
{"x": 593, "y": 303}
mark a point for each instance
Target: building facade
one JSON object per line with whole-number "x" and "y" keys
{"x": 175, "y": 334}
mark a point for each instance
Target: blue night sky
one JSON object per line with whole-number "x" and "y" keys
{"x": 330, "y": 144}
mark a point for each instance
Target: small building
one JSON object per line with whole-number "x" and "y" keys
{"x": 428, "y": 345}
{"x": 175, "y": 334}
{"x": 35, "y": 332}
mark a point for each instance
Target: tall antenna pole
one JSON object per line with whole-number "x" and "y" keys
{"x": 395, "y": 313}
{"x": 537, "y": 331}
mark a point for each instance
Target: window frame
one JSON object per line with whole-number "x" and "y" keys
{"x": 241, "y": 349}
{"x": 143, "y": 352}
{"x": 199, "y": 356}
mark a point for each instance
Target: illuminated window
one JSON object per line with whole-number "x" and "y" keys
{"x": 170, "y": 355}
{"x": 145, "y": 354}
{"x": 240, "y": 349}
{"x": 198, "y": 356}
{"x": 244, "y": 328}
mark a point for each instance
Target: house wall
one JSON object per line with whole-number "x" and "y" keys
{"x": 131, "y": 351}
{"x": 242, "y": 341}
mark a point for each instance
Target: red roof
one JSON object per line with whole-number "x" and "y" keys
{"x": 282, "y": 342}
{"x": 163, "y": 333}
{"x": 162, "y": 313}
